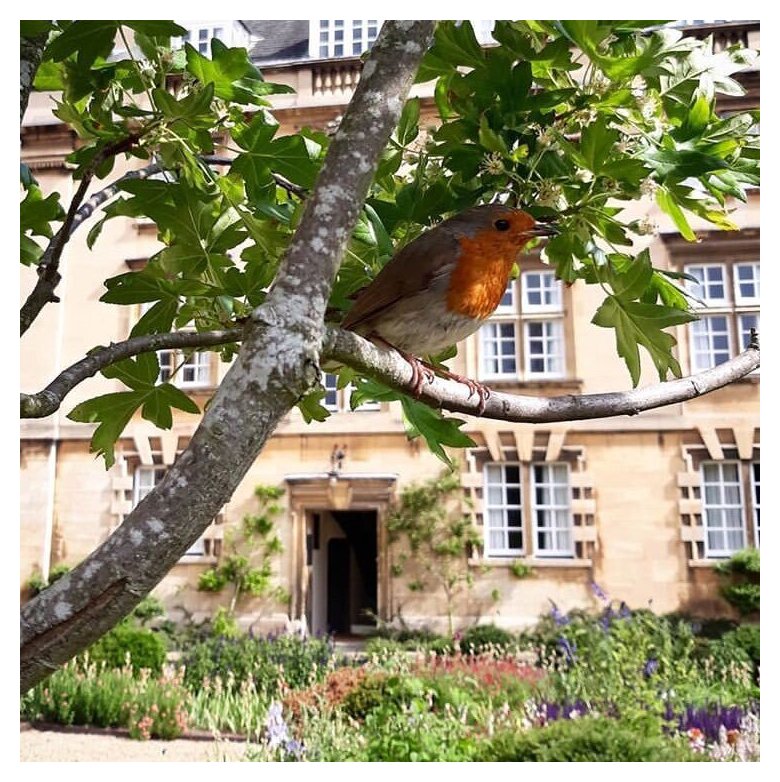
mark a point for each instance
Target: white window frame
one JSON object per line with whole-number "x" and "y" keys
{"x": 200, "y": 43}
{"x": 342, "y": 397}
{"x": 504, "y": 507}
{"x": 330, "y": 384}
{"x": 486, "y": 337}
{"x": 548, "y": 287}
{"x": 508, "y": 307}
{"x": 701, "y": 289}
{"x": 697, "y": 364}
{"x": 755, "y": 489}
{"x": 547, "y": 356}
{"x": 744, "y": 333}
{"x": 722, "y": 507}
{"x": 553, "y": 509}
{"x": 348, "y": 27}
{"x": 141, "y": 489}
{"x": 199, "y": 362}
{"x": 739, "y": 299}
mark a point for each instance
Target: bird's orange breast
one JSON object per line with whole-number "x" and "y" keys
{"x": 481, "y": 273}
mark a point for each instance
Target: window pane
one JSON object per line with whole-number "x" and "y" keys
{"x": 735, "y": 540}
{"x": 710, "y": 343}
{"x": 723, "y": 510}
{"x": 496, "y": 539}
{"x": 747, "y": 282}
{"x": 552, "y": 512}
{"x": 512, "y": 473}
{"x": 515, "y": 540}
{"x": 716, "y": 540}
{"x": 495, "y": 495}
{"x": 503, "y": 512}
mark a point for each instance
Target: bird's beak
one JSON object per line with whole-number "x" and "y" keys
{"x": 543, "y": 229}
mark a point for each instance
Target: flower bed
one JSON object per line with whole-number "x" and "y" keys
{"x": 617, "y": 685}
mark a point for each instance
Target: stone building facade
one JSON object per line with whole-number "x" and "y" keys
{"x": 644, "y": 506}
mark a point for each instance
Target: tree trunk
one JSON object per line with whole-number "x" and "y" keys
{"x": 277, "y": 365}
{"x": 30, "y": 53}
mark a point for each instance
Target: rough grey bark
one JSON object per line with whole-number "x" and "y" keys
{"x": 30, "y": 53}
{"x": 277, "y": 365}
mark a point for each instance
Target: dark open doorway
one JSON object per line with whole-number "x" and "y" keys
{"x": 343, "y": 557}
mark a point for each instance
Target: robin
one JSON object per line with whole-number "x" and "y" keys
{"x": 441, "y": 287}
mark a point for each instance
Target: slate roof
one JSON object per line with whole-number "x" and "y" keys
{"x": 278, "y": 41}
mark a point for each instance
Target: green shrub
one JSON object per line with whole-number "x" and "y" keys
{"x": 440, "y": 646}
{"x": 743, "y": 571}
{"x": 393, "y": 640}
{"x": 480, "y": 638}
{"x": 740, "y": 645}
{"x": 149, "y": 608}
{"x": 746, "y": 598}
{"x": 417, "y": 736}
{"x": 106, "y": 697}
{"x": 145, "y": 648}
{"x": 382, "y": 646}
{"x": 382, "y": 691}
{"x": 289, "y": 659}
{"x": 586, "y": 739}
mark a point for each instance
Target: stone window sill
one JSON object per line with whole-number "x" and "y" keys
{"x": 551, "y": 562}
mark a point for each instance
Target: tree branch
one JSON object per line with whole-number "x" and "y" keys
{"x": 285, "y": 184}
{"x": 276, "y": 366}
{"x": 389, "y": 368}
{"x": 49, "y": 400}
{"x": 96, "y": 200}
{"x": 48, "y": 267}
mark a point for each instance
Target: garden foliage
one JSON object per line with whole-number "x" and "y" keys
{"x": 619, "y": 685}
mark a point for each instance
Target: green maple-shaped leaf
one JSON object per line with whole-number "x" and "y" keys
{"x": 232, "y": 74}
{"x": 437, "y": 430}
{"x": 113, "y": 411}
{"x": 636, "y": 324}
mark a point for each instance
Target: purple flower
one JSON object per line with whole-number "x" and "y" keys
{"x": 624, "y": 612}
{"x": 599, "y": 592}
{"x": 559, "y": 618}
{"x": 276, "y": 732}
{"x": 568, "y": 648}
{"x": 710, "y": 720}
{"x": 606, "y": 619}
{"x": 565, "y": 711}
{"x": 651, "y": 666}
{"x": 294, "y": 748}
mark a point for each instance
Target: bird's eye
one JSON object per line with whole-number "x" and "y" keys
{"x": 502, "y": 225}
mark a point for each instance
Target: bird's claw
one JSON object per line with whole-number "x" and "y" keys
{"x": 482, "y": 391}
{"x": 420, "y": 373}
